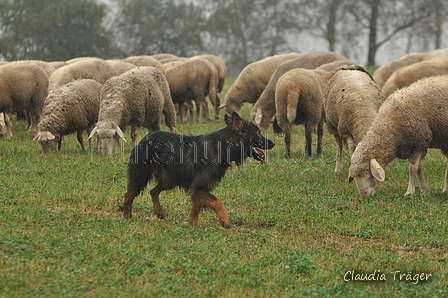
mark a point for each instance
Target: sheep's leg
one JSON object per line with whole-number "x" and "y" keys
{"x": 8, "y": 124}
{"x": 34, "y": 119}
{"x": 351, "y": 145}
{"x": 80, "y": 140}
{"x": 134, "y": 134}
{"x": 201, "y": 199}
{"x": 320, "y": 133}
{"x": 309, "y": 139}
{"x": 89, "y": 139}
{"x": 60, "y": 144}
{"x": 338, "y": 167}
{"x": 415, "y": 170}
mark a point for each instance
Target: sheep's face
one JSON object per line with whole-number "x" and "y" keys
{"x": 366, "y": 172}
{"x": 106, "y": 140}
{"x": 233, "y": 107}
{"x": 47, "y": 141}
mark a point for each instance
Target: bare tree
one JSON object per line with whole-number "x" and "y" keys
{"x": 384, "y": 20}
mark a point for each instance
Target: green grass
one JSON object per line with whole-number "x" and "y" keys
{"x": 297, "y": 228}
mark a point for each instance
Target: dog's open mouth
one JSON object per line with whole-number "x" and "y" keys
{"x": 259, "y": 155}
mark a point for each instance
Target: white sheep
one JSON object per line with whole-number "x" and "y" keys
{"x": 252, "y": 80}
{"x": 69, "y": 108}
{"x": 264, "y": 110}
{"x": 88, "y": 68}
{"x": 352, "y": 100}
{"x": 387, "y": 69}
{"x": 407, "y": 75}
{"x": 23, "y": 87}
{"x": 136, "y": 98}
{"x": 410, "y": 121}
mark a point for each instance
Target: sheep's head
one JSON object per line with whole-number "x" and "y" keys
{"x": 261, "y": 119}
{"x": 47, "y": 141}
{"x": 107, "y": 137}
{"x": 365, "y": 172}
{"x": 231, "y": 107}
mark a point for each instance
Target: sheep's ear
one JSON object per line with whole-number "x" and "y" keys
{"x": 120, "y": 134}
{"x": 92, "y": 133}
{"x": 222, "y": 106}
{"x": 50, "y": 136}
{"x": 258, "y": 116}
{"x": 376, "y": 170}
{"x": 350, "y": 179}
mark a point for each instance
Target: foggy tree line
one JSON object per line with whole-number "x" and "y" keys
{"x": 239, "y": 31}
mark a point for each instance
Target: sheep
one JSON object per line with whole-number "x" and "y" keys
{"x": 23, "y": 87}
{"x": 194, "y": 79}
{"x": 220, "y": 67}
{"x": 136, "y": 98}
{"x": 299, "y": 99}
{"x": 163, "y": 56}
{"x": 69, "y": 108}
{"x": 120, "y": 66}
{"x": 406, "y": 75}
{"x": 385, "y": 71}
{"x": 264, "y": 109}
{"x": 145, "y": 60}
{"x": 410, "y": 121}
{"x": 92, "y": 68}
{"x": 352, "y": 100}
{"x": 251, "y": 82}
{"x": 439, "y": 54}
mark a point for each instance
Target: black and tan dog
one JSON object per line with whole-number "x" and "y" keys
{"x": 195, "y": 163}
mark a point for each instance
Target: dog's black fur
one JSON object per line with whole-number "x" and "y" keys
{"x": 195, "y": 163}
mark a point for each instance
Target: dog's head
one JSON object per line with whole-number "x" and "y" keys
{"x": 250, "y": 136}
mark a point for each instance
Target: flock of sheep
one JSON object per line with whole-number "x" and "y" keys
{"x": 400, "y": 112}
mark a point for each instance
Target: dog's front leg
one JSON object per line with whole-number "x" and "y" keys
{"x": 202, "y": 198}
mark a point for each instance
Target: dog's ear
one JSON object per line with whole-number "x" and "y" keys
{"x": 235, "y": 122}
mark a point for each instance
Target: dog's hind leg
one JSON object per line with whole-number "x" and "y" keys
{"x": 158, "y": 210}
{"x": 201, "y": 198}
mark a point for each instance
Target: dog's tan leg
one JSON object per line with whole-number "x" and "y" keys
{"x": 201, "y": 198}
{"x": 158, "y": 210}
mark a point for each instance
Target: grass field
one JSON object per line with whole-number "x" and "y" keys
{"x": 298, "y": 229}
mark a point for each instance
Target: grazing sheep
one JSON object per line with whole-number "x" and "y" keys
{"x": 409, "y": 122}
{"x": 23, "y": 87}
{"x": 264, "y": 109}
{"x": 120, "y": 66}
{"x": 194, "y": 79}
{"x": 220, "y": 67}
{"x": 252, "y": 80}
{"x": 96, "y": 69}
{"x": 69, "y": 108}
{"x": 387, "y": 69}
{"x": 299, "y": 100}
{"x": 133, "y": 98}
{"x": 409, "y": 74}
{"x": 145, "y": 60}
{"x": 352, "y": 100}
